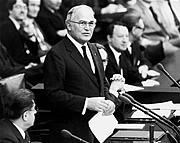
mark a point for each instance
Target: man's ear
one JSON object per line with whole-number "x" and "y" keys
{"x": 68, "y": 26}
{"x": 25, "y": 115}
{"x": 133, "y": 31}
{"x": 109, "y": 38}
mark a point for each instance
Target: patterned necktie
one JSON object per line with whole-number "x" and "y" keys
{"x": 86, "y": 57}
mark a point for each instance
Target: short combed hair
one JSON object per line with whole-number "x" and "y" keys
{"x": 110, "y": 28}
{"x": 16, "y": 102}
{"x": 131, "y": 18}
{"x": 12, "y": 2}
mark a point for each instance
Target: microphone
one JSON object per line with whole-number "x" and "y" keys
{"x": 130, "y": 100}
{"x": 161, "y": 67}
{"x": 67, "y": 134}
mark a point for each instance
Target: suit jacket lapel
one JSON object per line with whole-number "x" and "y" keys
{"x": 76, "y": 56}
{"x": 112, "y": 57}
{"x": 15, "y": 131}
{"x": 97, "y": 63}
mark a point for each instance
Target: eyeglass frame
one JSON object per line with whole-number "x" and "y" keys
{"x": 35, "y": 109}
{"x": 82, "y": 25}
{"x": 140, "y": 27}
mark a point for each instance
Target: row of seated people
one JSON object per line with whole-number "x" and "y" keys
{"x": 122, "y": 33}
{"x": 28, "y": 45}
{"x": 134, "y": 67}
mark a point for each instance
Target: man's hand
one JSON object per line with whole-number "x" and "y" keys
{"x": 117, "y": 83}
{"x": 143, "y": 70}
{"x": 99, "y": 104}
{"x": 110, "y": 109}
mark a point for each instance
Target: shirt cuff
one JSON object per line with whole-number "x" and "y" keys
{"x": 85, "y": 107}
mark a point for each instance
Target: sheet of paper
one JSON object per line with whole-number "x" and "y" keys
{"x": 177, "y": 113}
{"x": 140, "y": 114}
{"x": 130, "y": 126}
{"x": 129, "y": 87}
{"x": 102, "y": 126}
{"x": 169, "y": 105}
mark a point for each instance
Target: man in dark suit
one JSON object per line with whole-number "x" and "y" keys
{"x": 20, "y": 48}
{"x": 8, "y": 67}
{"x": 19, "y": 114}
{"x": 120, "y": 61}
{"x": 75, "y": 81}
{"x": 51, "y": 21}
{"x": 160, "y": 36}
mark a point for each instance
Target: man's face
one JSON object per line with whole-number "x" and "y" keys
{"x": 19, "y": 10}
{"x": 82, "y": 25}
{"x": 120, "y": 38}
{"x": 53, "y": 4}
{"x": 33, "y": 8}
{"x": 139, "y": 29}
{"x": 31, "y": 115}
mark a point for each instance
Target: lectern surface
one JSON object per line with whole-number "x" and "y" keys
{"x": 135, "y": 135}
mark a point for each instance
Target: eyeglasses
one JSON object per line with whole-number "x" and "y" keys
{"x": 35, "y": 109}
{"x": 142, "y": 28}
{"x": 83, "y": 24}
{"x": 20, "y": 7}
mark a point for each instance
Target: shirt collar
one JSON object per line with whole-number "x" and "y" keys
{"x": 78, "y": 45}
{"x": 17, "y": 25}
{"x": 20, "y": 130}
{"x": 117, "y": 54}
{"x": 129, "y": 48}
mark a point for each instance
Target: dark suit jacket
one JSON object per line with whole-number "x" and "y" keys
{"x": 9, "y": 133}
{"x": 50, "y": 24}
{"x": 130, "y": 67}
{"x": 15, "y": 44}
{"x": 68, "y": 81}
{"x": 9, "y": 67}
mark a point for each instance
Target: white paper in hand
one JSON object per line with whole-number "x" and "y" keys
{"x": 102, "y": 126}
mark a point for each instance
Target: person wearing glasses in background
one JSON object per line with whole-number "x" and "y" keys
{"x": 75, "y": 81}
{"x": 18, "y": 115}
{"x": 134, "y": 55}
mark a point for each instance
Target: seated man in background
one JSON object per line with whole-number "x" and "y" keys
{"x": 39, "y": 36}
{"x": 160, "y": 28}
{"x": 124, "y": 110}
{"x": 8, "y": 67}
{"x": 134, "y": 56}
{"x": 51, "y": 21}
{"x": 20, "y": 48}
{"x": 18, "y": 115}
{"x": 133, "y": 70}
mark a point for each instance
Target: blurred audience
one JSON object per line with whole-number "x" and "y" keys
{"x": 51, "y": 21}
{"x": 133, "y": 67}
{"x": 19, "y": 115}
{"x": 21, "y": 49}
{"x": 18, "y": 47}
{"x": 39, "y": 36}
{"x": 158, "y": 27}
{"x": 134, "y": 54}
{"x": 8, "y": 67}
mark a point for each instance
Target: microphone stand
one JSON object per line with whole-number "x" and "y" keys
{"x": 152, "y": 114}
{"x": 161, "y": 67}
